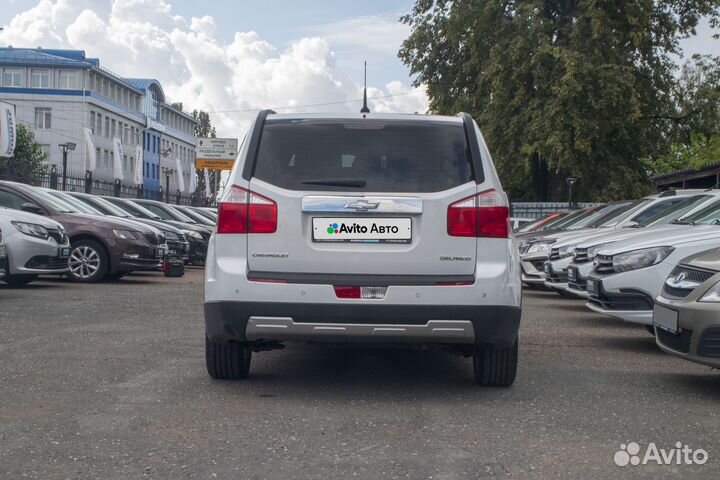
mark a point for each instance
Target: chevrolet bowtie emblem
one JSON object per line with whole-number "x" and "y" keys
{"x": 362, "y": 205}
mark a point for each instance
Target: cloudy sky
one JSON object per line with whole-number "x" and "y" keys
{"x": 230, "y": 57}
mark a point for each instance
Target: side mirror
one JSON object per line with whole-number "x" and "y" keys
{"x": 31, "y": 208}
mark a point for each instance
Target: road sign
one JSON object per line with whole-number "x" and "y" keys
{"x": 216, "y": 153}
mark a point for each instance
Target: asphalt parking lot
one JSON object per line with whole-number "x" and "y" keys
{"x": 108, "y": 381}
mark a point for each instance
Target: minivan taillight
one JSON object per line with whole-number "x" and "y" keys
{"x": 483, "y": 215}
{"x": 243, "y": 211}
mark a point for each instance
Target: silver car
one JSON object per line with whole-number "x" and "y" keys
{"x": 391, "y": 229}
{"x": 35, "y": 245}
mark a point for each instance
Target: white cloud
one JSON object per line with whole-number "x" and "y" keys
{"x": 143, "y": 38}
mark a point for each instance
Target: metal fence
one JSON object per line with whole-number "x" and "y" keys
{"x": 87, "y": 184}
{"x": 540, "y": 209}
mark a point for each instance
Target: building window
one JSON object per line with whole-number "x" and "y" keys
{"x": 112, "y": 128}
{"x": 12, "y": 77}
{"x": 98, "y": 122}
{"x": 42, "y": 118}
{"x": 68, "y": 79}
{"x": 106, "y": 158}
{"x": 98, "y": 157}
{"x": 107, "y": 127}
{"x": 39, "y": 78}
{"x": 92, "y": 121}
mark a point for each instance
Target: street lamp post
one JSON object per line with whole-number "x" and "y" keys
{"x": 570, "y": 181}
{"x": 167, "y": 172}
{"x": 65, "y": 148}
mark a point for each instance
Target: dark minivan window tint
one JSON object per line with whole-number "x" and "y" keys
{"x": 364, "y": 156}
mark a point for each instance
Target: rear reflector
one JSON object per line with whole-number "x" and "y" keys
{"x": 483, "y": 215}
{"x": 366, "y": 293}
{"x": 243, "y": 211}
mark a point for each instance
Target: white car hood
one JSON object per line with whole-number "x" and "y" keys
{"x": 622, "y": 234}
{"x": 650, "y": 239}
{"x": 9, "y": 214}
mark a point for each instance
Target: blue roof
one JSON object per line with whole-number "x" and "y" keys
{"x": 34, "y": 56}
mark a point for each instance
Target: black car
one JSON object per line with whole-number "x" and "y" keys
{"x": 199, "y": 218}
{"x": 178, "y": 246}
{"x": 197, "y": 235}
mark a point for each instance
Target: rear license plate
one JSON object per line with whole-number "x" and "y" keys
{"x": 362, "y": 230}
{"x": 665, "y": 318}
{"x": 63, "y": 252}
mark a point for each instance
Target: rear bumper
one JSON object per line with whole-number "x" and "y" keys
{"x": 227, "y": 321}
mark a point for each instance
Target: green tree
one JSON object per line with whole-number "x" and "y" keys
{"x": 27, "y": 163}
{"x": 561, "y": 88}
{"x": 204, "y": 129}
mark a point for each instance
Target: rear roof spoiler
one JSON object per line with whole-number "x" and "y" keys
{"x": 474, "y": 144}
{"x": 254, "y": 144}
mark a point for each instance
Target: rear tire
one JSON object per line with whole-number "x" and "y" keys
{"x": 19, "y": 280}
{"x": 227, "y": 361}
{"x": 650, "y": 329}
{"x": 495, "y": 367}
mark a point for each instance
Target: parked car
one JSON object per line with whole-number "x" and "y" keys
{"x": 33, "y": 246}
{"x": 197, "y": 217}
{"x": 538, "y": 223}
{"x": 207, "y": 212}
{"x": 628, "y": 275}
{"x": 178, "y": 245}
{"x": 196, "y": 235}
{"x": 100, "y": 246}
{"x": 517, "y": 222}
{"x": 686, "y": 316}
{"x": 671, "y": 219}
{"x": 563, "y": 250}
{"x": 304, "y": 252}
{"x": 613, "y": 217}
{"x": 3, "y": 257}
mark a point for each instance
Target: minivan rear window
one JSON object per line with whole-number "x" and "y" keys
{"x": 364, "y": 156}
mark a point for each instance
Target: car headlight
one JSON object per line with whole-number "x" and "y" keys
{"x": 712, "y": 295}
{"x": 32, "y": 229}
{"x": 127, "y": 234}
{"x": 646, "y": 257}
{"x": 539, "y": 247}
{"x": 193, "y": 234}
{"x": 567, "y": 251}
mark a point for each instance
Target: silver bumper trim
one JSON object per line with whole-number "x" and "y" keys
{"x": 285, "y": 328}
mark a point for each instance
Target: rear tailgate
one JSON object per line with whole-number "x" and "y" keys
{"x": 363, "y": 198}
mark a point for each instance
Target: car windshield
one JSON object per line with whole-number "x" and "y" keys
{"x": 196, "y": 216}
{"x": 79, "y": 204}
{"x": 57, "y": 204}
{"x": 111, "y": 207}
{"x": 177, "y": 214}
{"x": 599, "y": 216}
{"x": 628, "y": 212}
{"x": 676, "y": 211}
{"x": 133, "y": 209}
{"x": 706, "y": 216}
{"x": 531, "y": 225}
{"x": 610, "y": 214}
{"x": 570, "y": 219}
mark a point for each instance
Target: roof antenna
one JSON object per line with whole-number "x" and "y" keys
{"x": 365, "y": 108}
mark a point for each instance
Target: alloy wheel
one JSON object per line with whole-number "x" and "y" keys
{"x": 84, "y": 262}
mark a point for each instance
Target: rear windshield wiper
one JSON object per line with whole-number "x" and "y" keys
{"x": 337, "y": 182}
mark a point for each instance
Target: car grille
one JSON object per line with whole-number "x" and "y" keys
{"x": 58, "y": 235}
{"x": 709, "y": 345}
{"x": 604, "y": 264}
{"x": 678, "y": 342}
{"x": 555, "y": 253}
{"x": 626, "y": 300}
{"x": 692, "y": 279}
{"x": 581, "y": 255}
{"x": 45, "y": 262}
